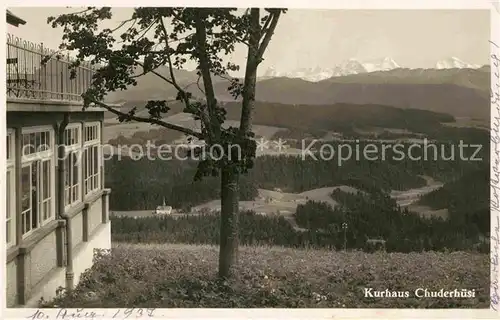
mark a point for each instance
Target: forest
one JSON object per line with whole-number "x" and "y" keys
{"x": 370, "y": 214}
{"x": 173, "y": 179}
{"x": 367, "y": 216}
{"x": 467, "y": 199}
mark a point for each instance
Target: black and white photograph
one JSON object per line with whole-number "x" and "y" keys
{"x": 234, "y": 157}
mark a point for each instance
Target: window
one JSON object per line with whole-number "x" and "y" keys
{"x": 91, "y": 132}
{"x": 91, "y": 168}
{"x": 37, "y": 179}
{"x": 72, "y": 193}
{"x": 10, "y": 210}
{"x": 10, "y": 147}
{"x": 72, "y": 175}
{"x": 26, "y": 199}
{"x": 72, "y": 135}
{"x": 46, "y": 195}
{"x": 35, "y": 142}
{"x": 91, "y": 157}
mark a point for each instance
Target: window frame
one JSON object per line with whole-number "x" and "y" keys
{"x": 38, "y": 129}
{"x": 70, "y": 150}
{"x": 38, "y": 159}
{"x": 10, "y": 199}
{"x": 89, "y": 159}
{"x": 70, "y": 128}
{"x": 91, "y": 141}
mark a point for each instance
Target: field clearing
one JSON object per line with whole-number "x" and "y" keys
{"x": 267, "y": 203}
{"x": 270, "y": 202}
{"x": 113, "y": 128}
{"x": 465, "y": 122}
{"x": 379, "y": 130}
{"x": 276, "y": 202}
{"x": 184, "y": 276}
{"x": 427, "y": 212}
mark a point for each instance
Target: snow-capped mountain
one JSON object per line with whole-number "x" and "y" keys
{"x": 454, "y": 62}
{"x": 311, "y": 74}
{"x": 271, "y": 73}
{"x": 351, "y": 66}
{"x": 381, "y": 65}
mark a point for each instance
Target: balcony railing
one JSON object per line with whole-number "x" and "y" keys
{"x": 31, "y": 76}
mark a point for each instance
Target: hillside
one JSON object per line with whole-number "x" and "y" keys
{"x": 459, "y": 92}
{"x": 470, "y": 78}
{"x": 445, "y": 98}
{"x": 339, "y": 117}
{"x": 150, "y": 87}
{"x": 467, "y": 198}
{"x": 274, "y": 120}
{"x": 183, "y": 276}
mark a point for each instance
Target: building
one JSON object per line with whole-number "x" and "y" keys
{"x": 14, "y": 20}
{"x": 163, "y": 209}
{"x": 56, "y": 204}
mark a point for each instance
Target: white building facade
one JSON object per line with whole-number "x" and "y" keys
{"x": 56, "y": 203}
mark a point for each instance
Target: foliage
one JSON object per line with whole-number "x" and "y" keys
{"x": 402, "y": 230}
{"x": 202, "y": 229}
{"x": 181, "y": 276}
{"x": 466, "y": 198}
{"x": 170, "y": 36}
{"x": 204, "y": 35}
{"x": 367, "y": 217}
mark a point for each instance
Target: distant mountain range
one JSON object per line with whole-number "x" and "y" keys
{"x": 454, "y": 62}
{"x": 353, "y": 66}
{"x": 461, "y": 92}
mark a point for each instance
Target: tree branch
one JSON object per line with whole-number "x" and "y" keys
{"x": 268, "y": 34}
{"x": 83, "y": 11}
{"x": 198, "y": 84}
{"x": 204, "y": 118}
{"x": 149, "y": 120}
{"x": 204, "y": 68}
{"x": 122, "y": 24}
{"x": 159, "y": 75}
{"x": 266, "y": 25}
{"x": 145, "y": 31}
{"x": 168, "y": 58}
{"x": 152, "y": 71}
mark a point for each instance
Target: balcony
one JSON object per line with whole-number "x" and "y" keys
{"x": 30, "y": 76}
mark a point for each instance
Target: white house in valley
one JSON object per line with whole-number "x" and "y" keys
{"x": 56, "y": 204}
{"x": 163, "y": 209}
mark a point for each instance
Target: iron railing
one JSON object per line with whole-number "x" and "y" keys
{"x": 37, "y": 73}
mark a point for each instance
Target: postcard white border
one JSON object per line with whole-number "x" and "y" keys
{"x": 494, "y": 8}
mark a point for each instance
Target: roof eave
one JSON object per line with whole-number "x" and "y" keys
{"x": 14, "y": 20}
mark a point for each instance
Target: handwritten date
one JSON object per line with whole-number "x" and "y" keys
{"x": 133, "y": 313}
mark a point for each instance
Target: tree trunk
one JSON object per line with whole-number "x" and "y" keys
{"x": 248, "y": 94}
{"x": 228, "y": 254}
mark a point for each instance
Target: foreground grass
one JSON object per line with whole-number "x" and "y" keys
{"x": 170, "y": 276}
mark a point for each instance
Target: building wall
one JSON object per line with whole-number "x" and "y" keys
{"x": 83, "y": 255}
{"x": 11, "y": 282}
{"x": 37, "y": 261}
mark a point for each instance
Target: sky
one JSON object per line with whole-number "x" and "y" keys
{"x": 325, "y": 38}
